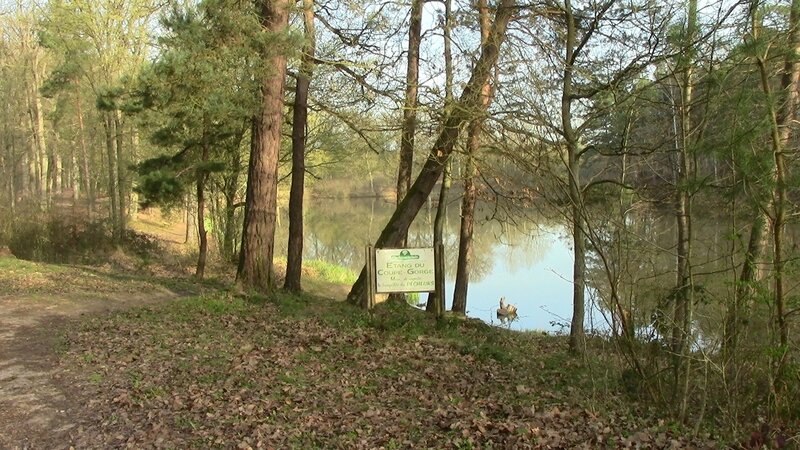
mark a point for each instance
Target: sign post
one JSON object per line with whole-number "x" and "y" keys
{"x": 404, "y": 270}
{"x": 370, "y": 300}
{"x": 439, "y": 260}
{"x": 401, "y": 270}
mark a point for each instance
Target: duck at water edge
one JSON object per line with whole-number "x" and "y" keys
{"x": 506, "y": 309}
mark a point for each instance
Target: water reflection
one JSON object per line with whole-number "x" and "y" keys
{"x": 529, "y": 265}
{"x": 630, "y": 267}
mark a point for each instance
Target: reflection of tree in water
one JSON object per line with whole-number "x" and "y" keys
{"x": 639, "y": 251}
{"x": 337, "y": 230}
{"x": 639, "y": 254}
{"x": 523, "y": 247}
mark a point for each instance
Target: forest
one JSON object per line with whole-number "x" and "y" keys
{"x": 660, "y": 135}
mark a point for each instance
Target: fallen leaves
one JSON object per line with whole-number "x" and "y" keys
{"x": 243, "y": 377}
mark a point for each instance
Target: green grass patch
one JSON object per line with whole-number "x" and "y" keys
{"x": 20, "y": 266}
{"x": 331, "y": 273}
{"x": 95, "y": 378}
{"x": 484, "y": 351}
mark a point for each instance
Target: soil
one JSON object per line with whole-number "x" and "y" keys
{"x": 38, "y": 407}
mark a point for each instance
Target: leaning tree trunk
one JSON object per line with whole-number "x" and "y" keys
{"x": 255, "y": 271}
{"x": 294, "y": 260}
{"x": 454, "y": 119}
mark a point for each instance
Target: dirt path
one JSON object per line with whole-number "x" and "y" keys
{"x": 38, "y": 409}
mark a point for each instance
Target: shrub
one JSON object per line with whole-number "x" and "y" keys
{"x": 57, "y": 239}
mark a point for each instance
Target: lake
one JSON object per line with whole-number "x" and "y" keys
{"x": 529, "y": 265}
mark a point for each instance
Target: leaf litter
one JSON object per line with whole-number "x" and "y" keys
{"x": 224, "y": 373}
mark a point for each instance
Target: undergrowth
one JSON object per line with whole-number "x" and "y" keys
{"x": 56, "y": 239}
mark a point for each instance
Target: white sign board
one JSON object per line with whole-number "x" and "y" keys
{"x": 404, "y": 270}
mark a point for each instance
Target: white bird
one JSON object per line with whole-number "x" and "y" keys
{"x": 506, "y": 309}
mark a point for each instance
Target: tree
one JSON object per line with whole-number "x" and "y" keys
{"x": 436, "y": 303}
{"x": 594, "y": 59}
{"x": 470, "y": 198}
{"x": 780, "y": 119}
{"x": 294, "y": 260}
{"x": 451, "y": 125}
{"x": 255, "y": 269}
{"x": 105, "y": 41}
{"x": 410, "y": 105}
{"x": 32, "y": 62}
{"x": 197, "y": 98}
{"x": 685, "y": 174}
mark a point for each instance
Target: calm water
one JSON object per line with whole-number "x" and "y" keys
{"x": 530, "y": 265}
{"x": 532, "y": 272}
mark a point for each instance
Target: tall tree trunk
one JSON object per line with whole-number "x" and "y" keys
{"x": 409, "y": 126}
{"x": 202, "y": 176}
{"x": 436, "y": 304}
{"x": 577, "y": 335}
{"x": 294, "y": 260}
{"x": 780, "y": 120}
{"x": 6, "y": 169}
{"x": 410, "y": 105}
{"x": 783, "y": 122}
{"x": 30, "y": 178}
{"x": 9, "y": 167}
{"x": 786, "y": 115}
{"x": 255, "y": 271}
{"x": 133, "y": 154}
{"x": 231, "y": 188}
{"x": 122, "y": 170}
{"x": 38, "y": 132}
{"x": 684, "y": 290}
{"x": 750, "y": 274}
{"x": 470, "y": 199}
{"x": 42, "y": 149}
{"x": 454, "y": 119}
{"x": 86, "y": 181}
{"x": 74, "y": 181}
{"x": 188, "y": 231}
{"x": 55, "y": 165}
{"x": 111, "y": 161}
{"x": 465, "y": 231}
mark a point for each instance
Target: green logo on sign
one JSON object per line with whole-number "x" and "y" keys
{"x": 405, "y": 255}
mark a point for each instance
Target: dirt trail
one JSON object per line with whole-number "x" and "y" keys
{"x": 37, "y": 408}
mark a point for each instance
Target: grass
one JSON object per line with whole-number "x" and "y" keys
{"x": 18, "y": 271}
{"x": 331, "y": 273}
